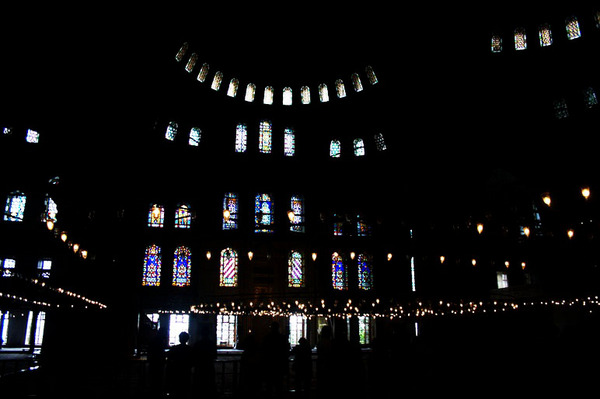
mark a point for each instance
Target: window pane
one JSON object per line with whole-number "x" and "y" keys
{"x": 183, "y": 217}
{"x": 217, "y": 79}
{"x": 171, "y": 132}
{"x": 156, "y": 216}
{"x": 182, "y": 267}
{"x": 265, "y": 136}
{"x": 152, "y": 264}
{"x": 572, "y": 26}
{"x": 15, "y": 207}
{"x": 241, "y": 136}
{"x": 250, "y": 92}
{"x": 339, "y": 275}
{"x": 289, "y": 147}
{"x": 297, "y": 208}
{"x": 335, "y": 149}
{"x": 230, "y": 211}
{"x": 195, "y": 134}
{"x": 287, "y": 96}
{"x": 229, "y": 268}
{"x": 365, "y": 272}
{"x": 263, "y": 214}
{"x": 178, "y": 323}
{"x": 268, "y": 98}
{"x": 295, "y": 270}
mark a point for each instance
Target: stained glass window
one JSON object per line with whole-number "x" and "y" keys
{"x": 305, "y": 94}
{"x": 250, "y": 92}
{"x": 233, "y": 87}
{"x": 15, "y": 207}
{"x": 7, "y": 267}
{"x": 572, "y": 27}
{"x": 297, "y": 208}
{"x": 32, "y": 136}
{"x": 217, "y": 80}
{"x": 380, "y": 142}
{"x": 520, "y": 39}
{"x": 171, "y": 132}
{"x": 44, "y": 266}
{"x": 359, "y": 147}
{"x": 191, "y": 62}
{"x": 264, "y": 217}
{"x": 182, "y": 50}
{"x": 339, "y": 274}
{"x": 51, "y": 210}
{"x": 265, "y": 137}
{"x": 229, "y": 268}
{"x": 203, "y": 73}
{"x": 152, "y": 264}
{"x": 230, "y": 211}
{"x": 364, "y": 330}
{"x": 371, "y": 75}
{"x": 340, "y": 88}
{"x": 560, "y": 109}
{"x": 156, "y": 216}
{"x": 287, "y": 96}
{"x": 295, "y": 270}
{"x": 289, "y": 142}
{"x": 590, "y": 98}
{"x": 496, "y": 44}
{"x": 195, "y": 134}
{"x": 338, "y": 228}
{"x": 545, "y": 35}
{"x": 268, "y": 96}
{"x": 323, "y": 93}
{"x": 241, "y": 137}
{"x": 335, "y": 149}
{"x": 365, "y": 272}
{"x": 7, "y": 131}
{"x": 363, "y": 229}
{"x": 356, "y": 83}
{"x": 182, "y": 267}
{"x": 183, "y": 217}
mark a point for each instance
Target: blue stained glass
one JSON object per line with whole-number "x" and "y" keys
{"x": 152, "y": 264}
{"x": 263, "y": 214}
{"x": 182, "y": 267}
{"x": 339, "y": 275}
{"x": 365, "y": 272}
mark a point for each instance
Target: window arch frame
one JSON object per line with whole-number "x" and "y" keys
{"x": 228, "y": 268}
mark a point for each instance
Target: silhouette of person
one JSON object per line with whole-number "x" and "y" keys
{"x": 276, "y": 354}
{"x": 157, "y": 357}
{"x": 302, "y": 366}
{"x": 325, "y": 363}
{"x": 205, "y": 354}
{"x": 250, "y": 382}
{"x": 179, "y": 367}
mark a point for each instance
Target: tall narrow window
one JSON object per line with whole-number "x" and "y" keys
{"x": 230, "y": 211}
{"x": 364, "y": 330}
{"x": 51, "y": 210}
{"x": 297, "y": 328}
{"x": 264, "y": 217}
{"x": 250, "y": 92}
{"x": 265, "y": 137}
{"x": 371, "y": 75}
{"x": 226, "y": 330}
{"x": 339, "y": 274}
{"x": 287, "y": 96}
{"x": 295, "y": 270}
{"x": 268, "y": 96}
{"x": 359, "y": 147}
{"x": 356, "y": 83}
{"x": 289, "y": 142}
{"x": 323, "y": 93}
{"x": 178, "y": 323}
{"x": 502, "y": 280}
{"x": 340, "y": 88}
{"x": 380, "y": 142}
{"x": 241, "y": 137}
{"x": 156, "y": 216}
{"x": 182, "y": 267}
{"x": 496, "y": 46}
{"x": 203, "y": 73}
{"x": 183, "y": 217}
{"x": 297, "y": 215}
{"x": 43, "y": 268}
{"x": 32, "y": 136}
{"x": 520, "y": 39}
{"x": 233, "y": 87}
{"x": 181, "y": 53}
{"x": 7, "y": 267}
{"x": 189, "y": 67}
{"x": 152, "y": 264}
{"x": 195, "y": 134}
{"x": 171, "y": 131}
{"x": 229, "y": 268}
{"x": 572, "y": 27}
{"x": 365, "y": 271}
{"x": 545, "y": 35}
{"x": 589, "y": 97}
{"x": 363, "y": 229}
{"x": 14, "y": 211}
{"x": 335, "y": 149}
{"x": 560, "y": 109}
{"x": 217, "y": 80}
{"x": 413, "y": 276}
{"x": 305, "y": 95}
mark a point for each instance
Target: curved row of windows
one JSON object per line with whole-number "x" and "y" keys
{"x": 545, "y": 34}
{"x": 229, "y": 268}
{"x": 268, "y": 93}
{"x": 31, "y": 136}
{"x": 590, "y": 101}
{"x": 14, "y": 208}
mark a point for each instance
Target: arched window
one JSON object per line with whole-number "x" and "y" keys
{"x": 560, "y": 109}
{"x": 233, "y": 87}
{"x": 182, "y": 50}
{"x": 14, "y": 211}
{"x": 217, "y": 80}
{"x": 268, "y": 96}
{"x": 339, "y": 274}
{"x": 189, "y": 67}
{"x": 520, "y": 39}
{"x": 589, "y": 97}
{"x": 264, "y": 216}
{"x": 323, "y": 93}
{"x": 572, "y": 27}
{"x": 182, "y": 267}
{"x": 305, "y": 95}
{"x": 228, "y": 274}
{"x": 371, "y": 75}
{"x": 289, "y": 142}
{"x": 156, "y": 216}
{"x": 380, "y": 142}
{"x": 340, "y": 88}
{"x": 152, "y": 264}
{"x": 241, "y": 137}
{"x": 250, "y": 92}
{"x": 295, "y": 270}
{"x": 545, "y": 35}
{"x": 51, "y": 210}
{"x": 287, "y": 96}
{"x": 203, "y": 73}
{"x": 356, "y": 83}
{"x": 195, "y": 134}
{"x": 230, "y": 211}
{"x": 496, "y": 46}
{"x": 297, "y": 215}
{"x": 265, "y": 137}
{"x": 359, "y": 147}
{"x": 365, "y": 271}
{"x": 335, "y": 149}
{"x": 171, "y": 132}
{"x": 183, "y": 217}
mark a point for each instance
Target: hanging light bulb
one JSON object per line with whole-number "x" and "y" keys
{"x": 389, "y": 256}
{"x": 479, "y": 228}
{"x": 291, "y": 215}
{"x": 250, "y": 255}
{"x": 50, "y": 224}
{"x": 63, "y": 237}
{"x": 546, "y": 199}
{"x": 226, "y": 215}
{"x": 507, "y": 263}
{"x": 570, "y": 233}
{"x": 208, "y": 255}
{"x": 585, "y": 191}
{"x": 523, "y": 264}
{"x": 314, "y": 256}
{"x": 352, "y": 255}
{"x": 442, "y": 259}
{"x": 473, "y": 262}
{"x": 526, "y": 231}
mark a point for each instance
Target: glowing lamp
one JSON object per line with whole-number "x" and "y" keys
{"x": 546, "y": 199}
{"x": 473, "y": 262}
{"x": 585, "y": 192}
{"x": 291, "y": 215}
{"x": 570, "y": 233}
{"x": 208, "y": 255}
{"x": 479, "y": 228}
{"x": 526, "y": 231}
{"x": 442, "y": 259}
{"x": 506, "y": 263}
{"x": 63, "y": 237}
{"x": 352, "y": 255}
{"x": 50, "y": 224}
{"x": 250, "y": 255}
{"x": 389, "y": 256}
{"x": 226, "y": 215}
{"x": 314, "y": 256}
{"x": 75, "y": 248}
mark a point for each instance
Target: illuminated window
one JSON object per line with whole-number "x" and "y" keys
{"x": 233, "y": 87}
{"x": 7, "y": 267}
{"x": 51, "y": 210}
{"x": 371, "y": 75}
{"x": 7, "y": 131}
{"x": 597, "y": 18}
{"x": 152, "y": 264}
{"x": 560, "y": 109}
{"x": 363, "y": 229}
{"x": 359, "y": 147}
{"x": 323, "y": 93}
{"x": 217, "y": 80}
{"x": 338, "y": 227}
{"x": 339, "y": 274}
{"x": 356, "y": 83}
{"x": 14, "y": 211}
{"x": 241, "y": 137}
{"x": 297, "y": 207}
{"x": 297, "y": 327}
{"x": 340, "y": 88}
{"x": 189, "y": 67}
{"x": 545, "y": 35}
{"x": 496, "y": 44}
{"x": 364, "y": 329}
{"x": 228, "y": 274}
{"x": 289, "y": 142}
{"x": 250, "y": 92}
{"x": 305, "y": 95}
{"x": 44, "y": 266}
{"x": 268, "y": 96}
{"x": 195, "y": 134}
{"x": 171, "y": 132}
{"x": 520, "y": 39}
{"x": 335, "y": 149}
{"x": 380, "y": 142}
{"x": 589, "y": 97}
{"x": 572, "y": 27}
{"x": 38, "y": 336}
{"x": 226, "y": 331}
{"x": 502, "y": 280}
{"x": 365, "y": 271}
{"x": 183, "y": 217}
{"x": 264, "y": 217}
{"x": 32, "y": 136}
{"x": 287, "y": 96}
{"x": 182, "y": 267}
{"x": 178, "y": 323}
{"x": 156, "y": 216}
{"x": 295, "y": 270}
{"x": 265, "y": 137}
{"x": 203, "y": 73}
{"x": 230, "y": 211}
{"x": 182, "y": 50}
